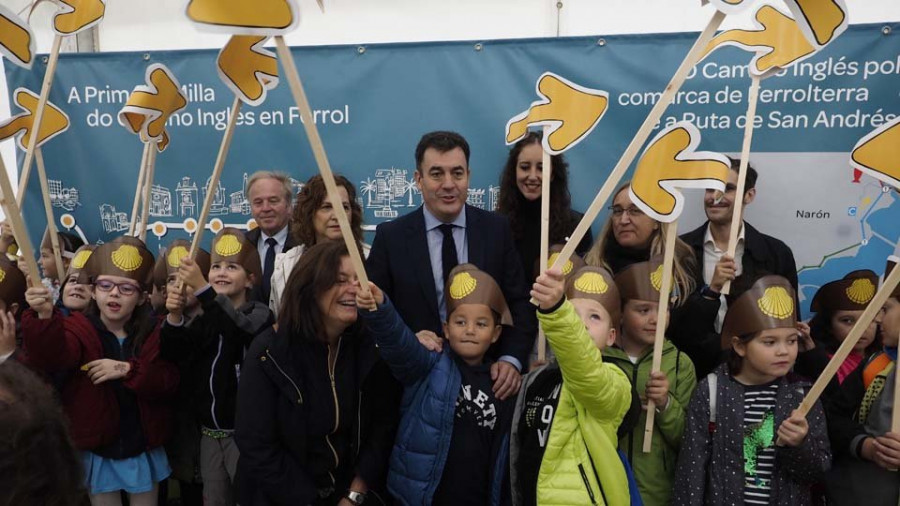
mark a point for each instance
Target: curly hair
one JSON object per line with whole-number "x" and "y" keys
{"x": 38, "y": 463}
{"x": 511, "y": 200}
{"x": 310, "y": 199}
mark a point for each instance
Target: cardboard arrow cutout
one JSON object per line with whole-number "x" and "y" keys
{"x": 821, "y": 21}
{"x": 245, "y": 17}
{"x": 77, "y": 15}
{"x": 248, "y": 69}
{"x": 569, "y": 110}
{"x": 777, "y": 43}
{"x": 150, "y": 106}
{"x": 16, "y": 39}
{"x": 878, "y": 153}
{"x": 670, "y": 162}
{"x": 55, "y": 120}
{"x": 729, "y": 6}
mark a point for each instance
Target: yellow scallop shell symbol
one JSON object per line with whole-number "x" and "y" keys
{"x": 174, "y": 257}
{"x": 656, "y": 278}
{"x": 127, "y": 258}
{"x": 861, "y": 291}
{"x": 567, "y": 268}
{"x": 776, "y": 303}
{"x": 228, "y": 245}
{"x": 2, "y": 275}
{"x": 462, "y": 285}
{"x": 591, "y": 282}
{"x": 81, "y": 258}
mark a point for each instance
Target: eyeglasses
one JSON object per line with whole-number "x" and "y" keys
{"x": 632, "y": 211}
{"x": 126, "y": 289}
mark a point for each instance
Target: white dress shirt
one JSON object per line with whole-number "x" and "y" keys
{"x": 711, "y": 256}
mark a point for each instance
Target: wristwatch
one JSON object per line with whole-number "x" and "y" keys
{"x": 357, "y": 498}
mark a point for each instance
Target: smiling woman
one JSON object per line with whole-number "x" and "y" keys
{"x": 316, "y": 406}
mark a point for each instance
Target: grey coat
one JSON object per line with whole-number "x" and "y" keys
{"x": 710, "y": 469}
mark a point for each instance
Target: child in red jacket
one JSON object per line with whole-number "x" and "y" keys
{"x": 117, "y": 387}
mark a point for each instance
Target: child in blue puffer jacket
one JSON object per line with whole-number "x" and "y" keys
{"x": 452, "y": 445}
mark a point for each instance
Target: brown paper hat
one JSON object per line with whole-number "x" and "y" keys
{"x": 230, "y": 245}
{"x": 169, "y": 261}
{"x": 68, "y": 243}
{"x": 124, "y": 256}
{"x": 768, "y": 304}
{"x": 596, "y": 283}
{"x": 852, "y": 293}
{"x": 641, "y": 281}
{"x": 892, "y": 262}
{"x": 468, "y": 285}
{"x": 573, "y": 264}
{"x": 76, "y": 266}
{"x": 12, "y": 283}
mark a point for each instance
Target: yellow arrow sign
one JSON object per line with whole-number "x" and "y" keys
{"x": 16, "y": 39}
{"x": 671, "y": 162}
{"x": 729, "y": 6}
{"x": 777, "y": 43}
{"x": 571, "y": 111}
{"x": 54, "y": 122}
{"x": 149, "y": 106}
{"x": 245, "y": 17}
{"x": 878, "y": 153}
{"x": 77, "y": 15}
{"x": 247, "y": 68}
{"x": 820, "y": 20}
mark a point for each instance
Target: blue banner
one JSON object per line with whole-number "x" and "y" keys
{"x": 373, "y": 102}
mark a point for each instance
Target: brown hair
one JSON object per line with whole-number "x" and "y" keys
{"x": 311, "y": 198}
{"x": 315, "y": 272}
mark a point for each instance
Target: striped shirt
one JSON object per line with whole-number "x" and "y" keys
{"x": 759, "y": 442}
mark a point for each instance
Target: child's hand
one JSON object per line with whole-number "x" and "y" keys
{"x": 793, "y": 431}
{"x": 430, "y": 341}
{"x": 658, "y": 389}
{"x": 189, "y": 271}
{"x": 371, "y": 299}
{"x": 806, "y": 342}
{"x": 106, "y": 369}
{"x": 549, "y": 288}
{"x": 40, "y": 300}
{"x": 7, "y": 333}
{"x": 175, "y": 305}
{"x": 883, "y": 451}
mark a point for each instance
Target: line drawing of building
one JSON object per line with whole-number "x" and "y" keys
{"x": 65, "y": 198}
{"x": 239, "y": 202}
{"x": 187, "y": 197}
{"x": 160, "y": 201}
{"x": 475, "y": 197}
{"x": 494, "y": 197}
{"x": 388, "y": 191}
{"x": 218, "y": 206}
{"x": 112, "y": 220}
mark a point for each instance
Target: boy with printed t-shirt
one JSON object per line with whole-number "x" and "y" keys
{"x": 213, "y": 345}
{"x": 563, "y": 444}
{"x": 670, "y": 388}
{"x": 452, "y": 445}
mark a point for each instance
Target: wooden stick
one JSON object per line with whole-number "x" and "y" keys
{"x": 895, "y": 418}
{"x": 662, "y": 316}
{"x": 139, "y": 188}
{"x": 312, "y": 133}
{"x": 875, "y": 305}
{"x": 148, "y": 185}
{"x": 738, "y": 205}
{"x": 52, "y": 230}
{"x": 38, "y": 118}
{"x": 20, "y": 232}
{"x": 213, "y": 183}
{"x": 637, "y": 142}
{"x": 546, "y": 174}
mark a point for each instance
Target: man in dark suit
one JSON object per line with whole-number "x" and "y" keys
{"x": 757, "y": 254}
{"x": 270, "y": 195}
{"x": 412, "y": 255}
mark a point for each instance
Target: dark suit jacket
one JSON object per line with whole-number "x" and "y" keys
{"x": 253, "y": 236}
{"x": 400, "y": 265}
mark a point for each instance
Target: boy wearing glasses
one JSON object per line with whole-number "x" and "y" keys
{"x": 211, "y": 348}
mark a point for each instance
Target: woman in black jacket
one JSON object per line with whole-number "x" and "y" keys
{"x": 317, "y": 409}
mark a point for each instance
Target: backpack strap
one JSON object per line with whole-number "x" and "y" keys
{"x": 713, "y": 381}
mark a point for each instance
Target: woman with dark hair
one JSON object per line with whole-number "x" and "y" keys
{"x": 520, "y": 201}
{"x": 38, "y": 464}
{"x": 317, "y": 409}
{"x": 314, "y": 221}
